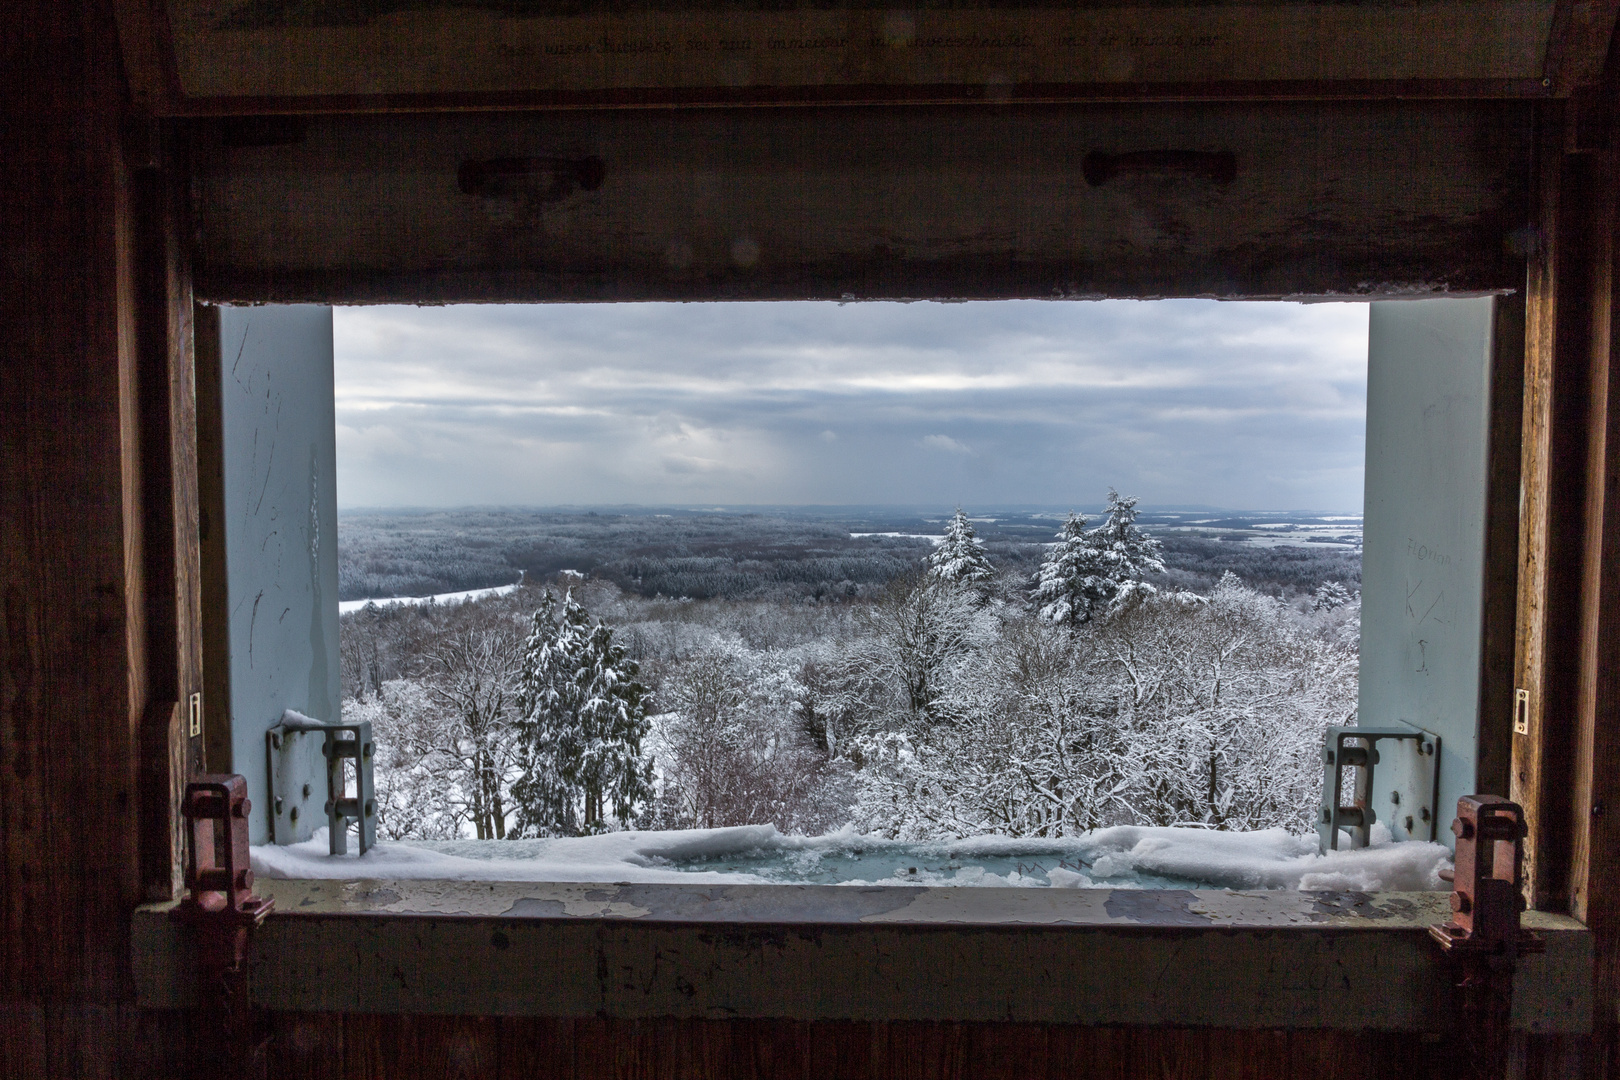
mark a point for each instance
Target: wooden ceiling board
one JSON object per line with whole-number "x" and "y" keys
{"x": 1221, "y": 199}
{"x": 245, "y": 56}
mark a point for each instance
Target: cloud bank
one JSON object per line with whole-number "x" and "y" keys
{"x": 1241, "y": 405}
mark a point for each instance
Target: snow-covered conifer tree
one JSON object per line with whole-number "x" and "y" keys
{"x": 961, "y": 558}
{"x": 1065, "y": 589}
{"x": 1330, "y": 595}
{"x": 581, "y": 727}
{"x": 1085, "y": 574}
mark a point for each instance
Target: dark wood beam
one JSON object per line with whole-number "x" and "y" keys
{"x": 1578, "y": 42}
{"x": 1346, "y": 199}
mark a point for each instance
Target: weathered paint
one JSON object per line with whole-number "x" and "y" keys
{"x": 279, "y": 441}
{"x": 1423, "y": 552}
{"x": 1215, "y": 958}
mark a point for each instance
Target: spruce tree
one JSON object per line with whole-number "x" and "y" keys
{"x": 1086, "y": 574}
{"x": 1330, "y": 595}
{"x": 582, "y": 720}
{"x": 960, "y": 559}
{"x": 1067, "y": 586}
{"x": 1127, "y": 553}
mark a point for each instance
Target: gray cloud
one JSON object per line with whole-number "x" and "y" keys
{"x": 1238, "y": 405}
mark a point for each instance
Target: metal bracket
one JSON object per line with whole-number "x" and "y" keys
{"x": 219, "y": 902}
{"x": 1397, "y": 774}
{"x": 1484, "y": 938}
{"x": 1486, "y": 894}
{"x": 295, "y": 748}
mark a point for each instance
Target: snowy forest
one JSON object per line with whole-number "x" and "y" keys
{"x": 960, "y": 695}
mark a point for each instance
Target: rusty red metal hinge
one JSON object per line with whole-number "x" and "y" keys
{"x": 1484, "y": 938}
{"x": 221, "y": 908}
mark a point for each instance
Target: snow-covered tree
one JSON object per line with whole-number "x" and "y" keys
{"x": 580, "y": 728}
{"x": 1180, "y": 710}
{"x": 1330, "y": 595}
{"x": 1088, "y": 573}
{"x": 732, "y": 748}
{"x": 921, "y": 631}
{"x": 960, "y": 559}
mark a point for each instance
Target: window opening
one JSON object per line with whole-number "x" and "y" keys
{"x": 748, "y": 760}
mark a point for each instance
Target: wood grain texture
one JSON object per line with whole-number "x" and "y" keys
{"x": 1493, "y": 761}
{"x": 1550, "y": 537}
{"x": 71, "y": 693}
{"x": 214, "y": 613}
{"x": 1349, "y": 199}
{"x": 151, "y": 490}
{"x": 182, "y": 751}
{"x": 1594, "y": 876}
{"x": 360, "y": 1047}
{"x": 705, "y": 52}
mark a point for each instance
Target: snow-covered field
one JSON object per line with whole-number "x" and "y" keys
{"x": 1121, "y": 857}
{"x": 346, "y": 606}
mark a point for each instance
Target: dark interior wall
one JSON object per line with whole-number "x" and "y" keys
{"x": 73, "y": 685}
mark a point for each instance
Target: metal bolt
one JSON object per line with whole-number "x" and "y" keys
{"x": 293, "y": 817}
{"x": 1428, "y": 748}
{"x": 244, "y": 808}
{"x": 278, "y": 806}
{"x": 370, "y": 808}
{"x": 306, "y": 791}
{"x": 1408, "y": 823}
{"x": 1395, "y": 797}
{"x": 1424, "y": 813}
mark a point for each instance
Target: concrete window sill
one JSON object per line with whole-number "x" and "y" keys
{"x": 824, "y": 952}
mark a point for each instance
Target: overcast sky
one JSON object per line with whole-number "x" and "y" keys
{"x": 1239, "y": 405}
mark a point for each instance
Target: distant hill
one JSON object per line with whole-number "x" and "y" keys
{"x": 821, "y": 553}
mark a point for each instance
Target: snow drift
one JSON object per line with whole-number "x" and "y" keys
{"x": 1120, "y": 857}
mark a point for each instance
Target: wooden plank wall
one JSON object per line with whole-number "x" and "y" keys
{"x": 1566, "y": 764}
{"x": 498, "y": 1048}
{"x": 98, "y": 580}
{"x": 73, "y": 686}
